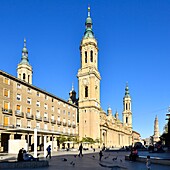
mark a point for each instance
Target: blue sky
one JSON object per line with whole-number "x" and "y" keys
{"x": 134, "y": 46}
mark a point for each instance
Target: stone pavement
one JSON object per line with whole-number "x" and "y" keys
{"x": 90, "y": 161}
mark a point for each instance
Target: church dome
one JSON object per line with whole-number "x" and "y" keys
{"x": 24, "y": 50}
{"x": 88, "y": 20}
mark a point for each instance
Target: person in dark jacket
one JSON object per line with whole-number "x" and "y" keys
{"x": 49, "y": 151}
{"x": 80, "y": 149}
{"x": 20, "y": 155}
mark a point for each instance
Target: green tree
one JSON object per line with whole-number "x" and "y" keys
{"x": 62, "y": 139}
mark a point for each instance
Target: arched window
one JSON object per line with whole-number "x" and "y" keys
{"x": 91, "y": 56}
{"x": 126, "y": 107}
{"x": 24, "y": 76}
{"x": 86, "y": 91}
{"x": 126, "y": 119}
{"x": 85, "y": 56}
{"x": 28, "y": 78}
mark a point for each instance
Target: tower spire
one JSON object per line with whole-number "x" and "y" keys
{"x": 72, "y": 86}
{"x": 127, "y": 113}
{"x": 24, "y": 42}
{"x": 88, "y": 32}
{"x": 127, "y": 94}
{"x": 24, "y": 59}
{"x": 24, "y": 69}
{"x": 156, "y": 130}
{"x": 89, "y": 11}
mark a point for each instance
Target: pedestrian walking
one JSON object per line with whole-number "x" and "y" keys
{"x": 80, "y": 149}
{"x": 148, "y": 163}
{"x": 49, "y": 151}
{"x": 100, "y": 155}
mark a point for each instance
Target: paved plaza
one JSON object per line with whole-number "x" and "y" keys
{"x": 64, "y": 160}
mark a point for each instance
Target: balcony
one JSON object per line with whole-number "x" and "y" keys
{"x": 64, "y": 124}
{"x": 69, "y": 124}
{"x": 53, "y": 121}
{"x": 19, "y": 113}
{"x": 74, "y": 126}
{"x": 58, "y": 122}
{"x": 7, "y": 111}
{"x": 39, "y": 118}
{"x": 18, "y": 125}
{"x": 46, "y": 119}
{"x": 29, "y": 116}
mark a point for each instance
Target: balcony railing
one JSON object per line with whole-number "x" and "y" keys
{"x": 64, "y": 124}
{"x": 53, "y": 121}
{"x": 74, "y": 126}
{"x": 69, "y": 124}
{"x": 19, "y": 113}
{"x": 7, "y": 111}
{"x": 39, "y": 118}
{"x": 58, "y": 122}
{"x": 18, "y": 125}
{"x": 29, "y": 116}
{"x": 46, "y": 119}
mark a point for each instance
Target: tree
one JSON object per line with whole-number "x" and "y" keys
{"x": 62, "y": 139}
{"x": 88, "y": 140}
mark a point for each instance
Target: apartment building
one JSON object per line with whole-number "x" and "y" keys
{"x": 26, "y": 107}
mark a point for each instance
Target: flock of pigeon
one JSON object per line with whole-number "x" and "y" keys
{"x": 93, "y": 156}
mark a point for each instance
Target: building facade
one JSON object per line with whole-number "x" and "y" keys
{"x": 93, "y": 121}
{"x": 26, "y": 107}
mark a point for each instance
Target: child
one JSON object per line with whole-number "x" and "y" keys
{"x": 100, "y": 155}
{"x": 148, "y": 163}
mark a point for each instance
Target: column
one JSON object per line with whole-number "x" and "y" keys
{"x": 45, "y": 145}
{"x": 35, "y": 143}
{"x": 0, "y": 143}
{"x": 11, "y": 136}
{"x": 23, "y": 137}
{"x": 28, "y": 142}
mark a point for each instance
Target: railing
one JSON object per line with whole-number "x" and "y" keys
{"x": 58, "y": 122}
{"x": 39, "y": 118}
{"x": 46, "y": 119}
{"x": 53, "y": 121}
{"x": 74, "y": 126}
{"x": 69, "y": 124}
{"x": 7, "y": 111}
{"x": 19, "y": 113}
{"x": 64, "y": 124}
{"x": 29, "y": 116}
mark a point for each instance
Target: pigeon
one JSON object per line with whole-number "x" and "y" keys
{"x": 120, "y": 160}
{"x": 64, "y": 159}
{"x": 71, "y": 162}
{"x": 114, "y": 159}
{"x": 106, "y": 157}
{"x": 93, "y": 156}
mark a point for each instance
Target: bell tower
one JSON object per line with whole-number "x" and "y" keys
{"x": 127, "y": 113}
{"x": 89, "y": 84}
{"x": 24, "y": 69}
{"x": 156, "y": 131}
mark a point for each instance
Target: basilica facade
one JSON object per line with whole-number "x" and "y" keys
{"x": 94, "y": 122}
{"x": 26, "y": 107}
